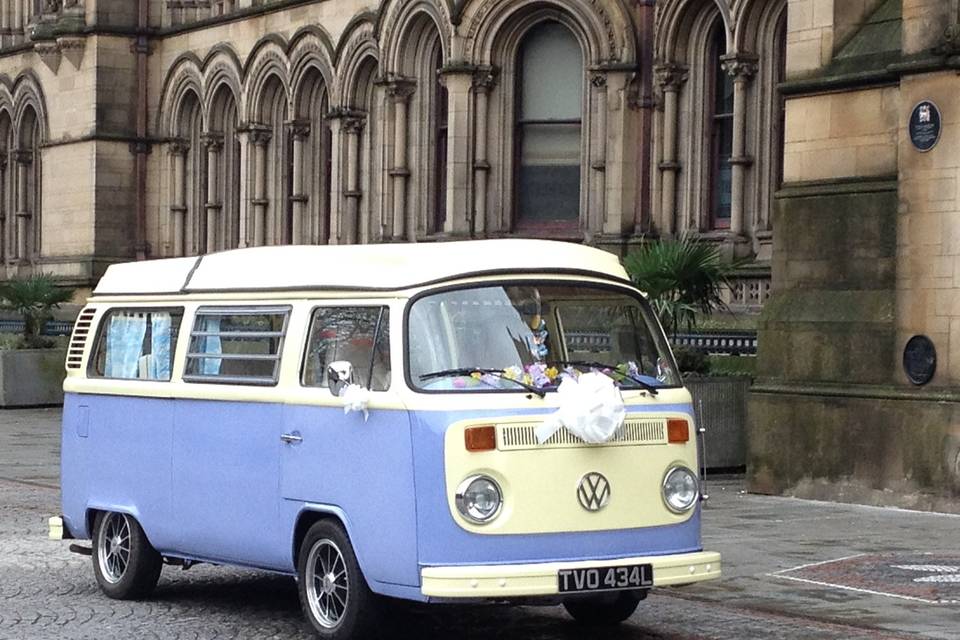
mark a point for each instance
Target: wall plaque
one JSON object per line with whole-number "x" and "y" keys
{"x": 919, "y": 360}
{"x": 925, "y": 126}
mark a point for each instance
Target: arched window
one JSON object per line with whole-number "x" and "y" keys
{"x": 548, "y": 127}
{"x": 192, "y": 234}
{"x": 311, "y": 158}
{"x": 29, "y": 176}
{"x": 6, "y": 206}
{"x": 721, "y": 133}
{"x": 439, "y": 118}
{"x": 226, "y": 192}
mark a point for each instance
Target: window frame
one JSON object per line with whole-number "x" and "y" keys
{"x": 285, "y": 310}
{"x": 557, "y": 227}
{"x": 100, "y": 334}
{"x": 337, "y": 304}
{"x": 512, "y": 282}
{"x": 716, "y": 122}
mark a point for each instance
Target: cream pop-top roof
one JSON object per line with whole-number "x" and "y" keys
{"x": 364, "y": 267}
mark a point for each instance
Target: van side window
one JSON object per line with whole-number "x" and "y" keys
{"x": 236, "y": 345}
{"x": 136, "y": 344}
{"x": 360, "y": 335}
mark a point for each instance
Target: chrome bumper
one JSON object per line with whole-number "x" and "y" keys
{"x": 521, "y": 580}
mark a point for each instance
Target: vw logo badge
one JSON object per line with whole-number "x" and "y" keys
{"x": 593, "y": 492}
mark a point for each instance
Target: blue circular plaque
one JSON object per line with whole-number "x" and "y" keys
{"x": 925, "y": 126}
{"x": 919, "y": 360}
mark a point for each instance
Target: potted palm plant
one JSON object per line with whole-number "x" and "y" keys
{"x": 31, "y": 364}
{"x": 684, "y": 279}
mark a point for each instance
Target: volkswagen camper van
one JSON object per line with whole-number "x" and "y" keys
{"x": 495, "y": 420}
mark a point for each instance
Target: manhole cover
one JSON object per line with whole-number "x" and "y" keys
{"x": 927, "y": 577}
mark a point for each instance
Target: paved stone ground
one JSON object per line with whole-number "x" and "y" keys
{"x": 48, "y": 593}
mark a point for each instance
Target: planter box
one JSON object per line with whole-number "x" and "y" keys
{"x": 31, "y": 377}
{"x": 721, "y": 408}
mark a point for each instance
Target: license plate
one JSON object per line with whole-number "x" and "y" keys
{"x": 637, "y": 576}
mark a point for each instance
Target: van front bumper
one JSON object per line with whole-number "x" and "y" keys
{"x": 521, "y": 580}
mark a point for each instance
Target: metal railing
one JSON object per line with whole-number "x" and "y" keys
{"x": 730, "y": 343}
{"x": 52, "y": 328}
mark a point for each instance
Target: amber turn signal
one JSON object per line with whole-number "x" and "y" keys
{"x": 480, "y": 438}
{"x": 678, "y": 431}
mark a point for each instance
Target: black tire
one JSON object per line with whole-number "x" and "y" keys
{"x": 124, "y": 571}
{"x": 604, "y": 610}
{"x": 342, "y": 608}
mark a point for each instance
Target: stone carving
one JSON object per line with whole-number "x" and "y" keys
{"x": 741, "y": 66}
{"x": 670, "y": 75}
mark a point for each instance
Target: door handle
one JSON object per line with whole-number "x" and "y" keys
{"x": 291, "y": 438}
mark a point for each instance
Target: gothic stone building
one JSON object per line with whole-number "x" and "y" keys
{"x": 152, "y": 128}
{"x": 134, "y": 129}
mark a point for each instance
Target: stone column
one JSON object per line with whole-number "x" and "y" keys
{"x": 178, "y": 194}
{"x": 670, "y": 78}
{"x": 483, "y": 82}
{"x": 4, "y": 210}
{"x": 596, "y": 203}
{"x": 350, "y": 227}
{"x": 458, "y": 81}
{"x": 742, "y": 70}
{"x": 259, "y": 138}
{"x": 299, "y": 198}
{"x": 399, "y": 91}
{"x": 214, "y": 206}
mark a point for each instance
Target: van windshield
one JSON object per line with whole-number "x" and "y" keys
{"x": 529, "y": 337}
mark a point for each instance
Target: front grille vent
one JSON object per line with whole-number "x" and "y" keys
{"x": 81, "y": 329}
{"x": 634, "y": 432}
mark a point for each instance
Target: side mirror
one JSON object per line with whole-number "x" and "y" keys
{"x": 339, "y": 375}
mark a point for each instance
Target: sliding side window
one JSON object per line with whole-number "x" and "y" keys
{"x": 237, "y": 345}
{"x": 136, "y": 344}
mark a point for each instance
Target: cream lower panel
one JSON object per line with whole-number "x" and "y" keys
{"x": 540, "y": 485}
{"x": 521, "y": 580}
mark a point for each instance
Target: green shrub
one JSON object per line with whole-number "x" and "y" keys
{"x": 34, "y": 298}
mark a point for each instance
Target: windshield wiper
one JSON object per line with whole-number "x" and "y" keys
{"x": 603, "y": 369}
{"x": 466, "y": 371}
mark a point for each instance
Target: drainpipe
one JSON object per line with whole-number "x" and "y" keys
{"x": 142, "y": 145}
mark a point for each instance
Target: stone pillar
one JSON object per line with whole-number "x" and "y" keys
{"x": 4, "y": 210}
{"x": 352, "y": 131}
{"x": 178, "y": 195}
{"x": 299, "y": 198}
{"x": 742, "y": 70}
{"x": 399, "y": 91}
{"x": 596, "y": 205}
{"x": 458, "y": 81}
{"x": 670, "y": 78}
{"x": 483, "y": 82}
{"x": 214, "y": 206}
{"x": 259, "y": 139}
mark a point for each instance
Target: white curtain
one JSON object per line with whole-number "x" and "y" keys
{"x": 125, "y": 344}
{"x": 160, "y": 346}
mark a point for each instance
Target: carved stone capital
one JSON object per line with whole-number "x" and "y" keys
{"x": 21, "y": 156}
{"x": 299, "y": 129}
{"x": 399, "y": 89}
{"x": 484, "y": 79}
{"x": 599, "y": 80}
{"x": 670, "y": 76}
{"x": 259, "y": 134}
{"x": 213, "y": 141}
{"x": 740, "y": 67}
{"x": 354, "y": 124}
{"x": 178, "y": 147}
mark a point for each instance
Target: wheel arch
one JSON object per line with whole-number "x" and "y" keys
{"x": 310, "y": 515}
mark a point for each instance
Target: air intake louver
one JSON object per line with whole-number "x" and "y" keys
{"x": 634, "y": 432}
{"x": 81, "y": 329}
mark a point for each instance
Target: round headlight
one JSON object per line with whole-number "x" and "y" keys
{"x": 479, "y": 499}
{"x": 680, "y": 489}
